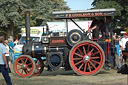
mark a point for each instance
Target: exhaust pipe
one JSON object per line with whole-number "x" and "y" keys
{"x": 27, "y": 26}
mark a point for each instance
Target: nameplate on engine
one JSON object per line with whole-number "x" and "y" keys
{"x": 58, "y": 41}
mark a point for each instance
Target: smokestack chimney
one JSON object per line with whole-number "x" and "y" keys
{"x": 27, "y": 26}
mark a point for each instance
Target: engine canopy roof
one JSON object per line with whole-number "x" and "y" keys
{"x": 84, "y": 13}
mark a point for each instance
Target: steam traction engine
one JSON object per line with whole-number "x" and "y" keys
{"x": 74, "y": 51}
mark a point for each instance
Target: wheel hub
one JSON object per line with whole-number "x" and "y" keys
{"x": 86, "y": 58}
{"x": 75, "y": 37}
{"x": 39, "y": 67}
{"x": 23, "y": 66}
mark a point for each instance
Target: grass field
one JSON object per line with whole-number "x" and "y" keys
{"x": 61, "y": 77}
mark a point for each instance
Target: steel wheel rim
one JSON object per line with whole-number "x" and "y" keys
{"x": 39, "y": 67}
{"x": 84, "y": 64}
{"x": 24, "y": 66}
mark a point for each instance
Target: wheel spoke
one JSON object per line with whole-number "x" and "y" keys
{"x": 19, "y": 64}
{"x": 88, "y": 48}
{"x": 22, "y": 61}
{"x": 81, "y": 66}
{"x": 37, "y": 68}
{"x": 78, "y": 55}
{"x": 85, "y": 67}
{"x": 92, "y": 64}
{"x": 29, "y": 64}
{"x": 80, "y": 51}
{"x": 19, "y": 69}
{"x": 22, "y": 72}
{"x": 26, "y": 60}
{"x": 26, "y": 71}
{"x": 77, "y": 58}
{"x": 95, "y": 57}
{"x": 92, "y": 50}
{"x": 89, "y": 67}
{"x": 95, "y": 53}
{"x": 95, "y": 61}
{"x": 78, "y": 62}
{"x": 37, "y": 64}
{"x": 84, "y": 50}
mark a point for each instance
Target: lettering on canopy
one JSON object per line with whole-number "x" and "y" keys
{"x": 78, "y": 15}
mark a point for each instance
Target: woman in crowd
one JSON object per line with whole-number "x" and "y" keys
{"x": 7, "y": 54}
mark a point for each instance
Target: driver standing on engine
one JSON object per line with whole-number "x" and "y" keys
{"x": 94, "y": 28}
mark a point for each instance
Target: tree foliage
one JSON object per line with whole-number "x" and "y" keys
{"x": 45, "y": 8}
{"x": 10, "y": 14}
{"x": 41, "y": 10}
{"x": 121, "y": 18}
{"x": 12, "y": 18}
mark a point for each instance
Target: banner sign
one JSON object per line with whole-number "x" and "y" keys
{"x": 32, "y": 31}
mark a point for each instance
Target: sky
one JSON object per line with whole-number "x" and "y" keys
{"x": 79, "y": 4}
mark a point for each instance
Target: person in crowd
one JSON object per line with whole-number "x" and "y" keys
{"x": 11, "y": 37}
{"x": 118, "y": 57}
{"x": 3, "y": 62}
{"x": 7, "y": 54}
{"x": 103, "y": 29}
{"x": 120, "y": 44}
{"x": 94, "y": 28}
{"x": 115, "y": 39}
{"x": 11, "y": 50}
{"x": 115, "y": 36}
{"x": 124, "y": 40}
{"x": 16, "y": 41}
{"x": 120, "y": 51}
{"x": 123, "y": 45}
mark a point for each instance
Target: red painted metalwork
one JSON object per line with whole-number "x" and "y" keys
{"x": 106, "y": 50}
{"x": 24, "y": 66}
{"x": 86, "y": 58}
{"x": 39, "y": 67}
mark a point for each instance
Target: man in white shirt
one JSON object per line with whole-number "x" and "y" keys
{"x": 3, "y": 62}
{"x": 124, "y": 40}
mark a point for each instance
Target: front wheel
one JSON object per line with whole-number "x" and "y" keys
{"x": 24, "y": 66}
{"x": 86, "y": 58}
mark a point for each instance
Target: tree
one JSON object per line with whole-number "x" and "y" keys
{"x": 41, "y": 10}
{"x": 45, "y": 9}
{"x": 12, "y": 18}
{"x": 121, "y": 18}
{"x": 10, "y": 14}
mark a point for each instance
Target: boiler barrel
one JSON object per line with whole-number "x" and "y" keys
{"x": 38, "y": 50}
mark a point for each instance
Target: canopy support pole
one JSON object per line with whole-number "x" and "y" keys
{"x": 77, "y": 25}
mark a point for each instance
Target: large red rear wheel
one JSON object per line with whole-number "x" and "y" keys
{"x": 24, "y": 66}
{"x": 39, "y": 66}
{"x": 86, "y": 58}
